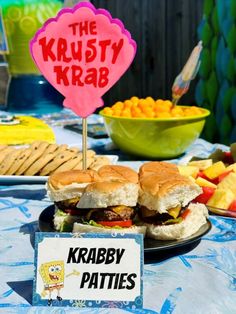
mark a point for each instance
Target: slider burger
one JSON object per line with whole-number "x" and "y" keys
{"x": 95, "y": 201}
{"x": 164, "y": 202}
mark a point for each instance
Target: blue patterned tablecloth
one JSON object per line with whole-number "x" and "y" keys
{"x": 197, "y": 278}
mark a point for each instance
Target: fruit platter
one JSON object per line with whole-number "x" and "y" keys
{"x": 216, "y": 175}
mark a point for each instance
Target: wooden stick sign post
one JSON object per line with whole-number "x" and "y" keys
{"x": 83, "y": 52}
{"x": 84, "y": 143}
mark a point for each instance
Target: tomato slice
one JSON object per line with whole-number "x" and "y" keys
{"x": 185, "y": 213}
{"x": 119, "y": 223}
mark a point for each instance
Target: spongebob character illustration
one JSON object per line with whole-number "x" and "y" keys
{"x": 52, "y": 274}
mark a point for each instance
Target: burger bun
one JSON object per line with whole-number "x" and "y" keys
{"x": 117, "y": 172}
{"x": 105, "y": 194}
{"x": 69, "y": 184}
{"x": 160, "y": 193}
{"x": 191, "y": 224}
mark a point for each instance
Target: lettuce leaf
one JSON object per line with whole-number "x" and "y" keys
{"x": 173, "y": 221}
{"x": 67, "y": 224}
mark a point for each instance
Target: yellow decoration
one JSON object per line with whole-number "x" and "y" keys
{"x": 27, "y": 131}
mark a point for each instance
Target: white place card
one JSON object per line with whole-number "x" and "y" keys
{"x": 88, "y": 270}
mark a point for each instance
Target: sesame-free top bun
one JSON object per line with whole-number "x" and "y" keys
{"x": 61, "y": 179}
{"x": 109, "y": 193}
{"x": 70, "y": 184}
{"x": 117, "y": 172}
{"x": 196, "y": 218}
{"x": 161, "y": 192}
{"x": 153, "y": 167}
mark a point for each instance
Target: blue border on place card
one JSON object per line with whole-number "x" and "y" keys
{"x": 3, "y": 36}
{"x": 137, "y": 304}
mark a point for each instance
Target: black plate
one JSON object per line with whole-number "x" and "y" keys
{"x": 150, "y": 245}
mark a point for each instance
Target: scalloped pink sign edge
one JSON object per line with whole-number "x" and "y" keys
{"x": 95, "y": 11}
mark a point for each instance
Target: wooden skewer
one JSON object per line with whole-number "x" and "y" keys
{"x": 84, "y": 143}
{"x": 174, "y": 102}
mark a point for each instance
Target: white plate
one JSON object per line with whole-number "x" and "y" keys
{"x": 4, "y": 179}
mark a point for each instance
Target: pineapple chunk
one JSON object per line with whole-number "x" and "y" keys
{"x": 203, "y": 182}
{"x": 229, "y": 183}
{"x": 231, "y": 167}
{"x": 221, "y": 199}
{"x": 192, "y": 179}
{"x": 188, "y": 171}
{"x": 201, "y": 164}
{"x": 215, "y": 170}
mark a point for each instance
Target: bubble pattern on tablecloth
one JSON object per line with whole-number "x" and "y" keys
{"x": 200, "y": 280}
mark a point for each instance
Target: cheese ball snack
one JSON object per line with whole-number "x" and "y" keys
{"x": 150, "y": 108}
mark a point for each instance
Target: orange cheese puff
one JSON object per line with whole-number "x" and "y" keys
{"x": 167, "y": 103}
{"x": 150, "y": 114}
{"x": 118, "y": 105}
{"x": 161, "y": 108}
{"x": 128, "y": 104}
{"x": 126, "y": 113}
{"x": 150, "y": 100}
{"x": 143, "y": 104}
{"x": 159, "y": 102}
{"x": 108, "y": 111}
{"x": 177, "y": 112}
{"x": 136, "y": 110}
{"x": 146, "y": 109}
{"x": 116, "y": 112}
{"x": 141, "y": 115}
{"x": 188, "y": 112}
{"x": 163, "y": 115}
{"x": 134, "y": 100}
{"x": 196, "y": 110}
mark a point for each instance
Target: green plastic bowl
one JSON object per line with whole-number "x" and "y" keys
{"x": 155, "y": 138}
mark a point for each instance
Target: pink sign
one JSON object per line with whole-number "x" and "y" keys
{"x": 82, "y": 53}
